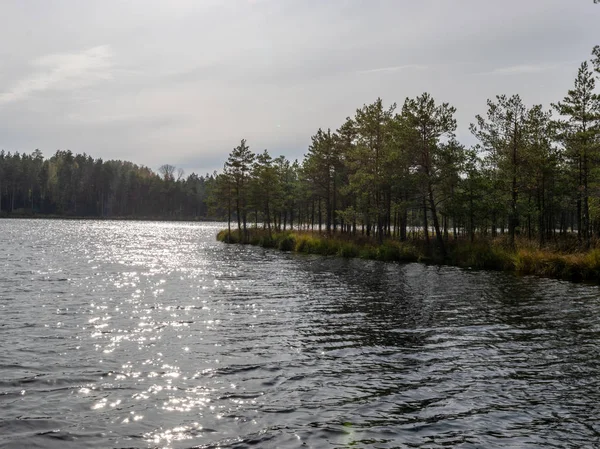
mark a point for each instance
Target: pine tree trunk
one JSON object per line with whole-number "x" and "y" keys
{"x": 436, "y": 224}
{"x": 586, "y": 208}
{"x": 425, "y": 223}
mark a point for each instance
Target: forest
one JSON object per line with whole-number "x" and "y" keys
{"x": 76, "y": 185}
{"x": 398, "y": 172}
{"x": 389, "y": 172}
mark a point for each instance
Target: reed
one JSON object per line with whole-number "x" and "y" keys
{"x": 485, "y": 254}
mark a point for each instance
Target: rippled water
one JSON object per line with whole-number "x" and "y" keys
{"x": 140, "y": 334}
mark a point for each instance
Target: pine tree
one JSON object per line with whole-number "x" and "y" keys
{"x": 501, "y": 135}
{"x": 320, "y": 168}
{"x": 580, "y": 129}
{"x": 266, "y": 186}
{"x": 369, "y": 164}
{"x": 239, "y": 166}
{"x": 540, "y": 165}
{"x": 596, "y": 58}
{"x": 429, "y": 123}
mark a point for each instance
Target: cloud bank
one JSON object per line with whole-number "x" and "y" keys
{"x": 182, "y": 82}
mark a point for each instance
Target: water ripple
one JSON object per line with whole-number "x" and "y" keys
{"x": 143, "y": 335}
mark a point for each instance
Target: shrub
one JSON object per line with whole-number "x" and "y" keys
{"x": 368, "y": 252}
{"x": 302, "y": 244}
{"x": 388, "y": 252}
{"x": 480, "y": 255}
{"x": 347, "y": 249}
{"x": 287, "y": 242}
{"x": 227, "y": 237}
{"x": 408, "y": 253}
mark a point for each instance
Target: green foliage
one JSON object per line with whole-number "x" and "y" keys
{"x": 368, "y": 252}
{"x": 228, "y": 237}
{"x": 287, "y": 242}
{"x": 596, "y": 55}
{"x": 316, "y": 245}
{"x": 348, "y": 250}
{"x": 76, "y": 185}
{"x": 303, "y": 243}
{"x": 481, "y": 254}
{"x": 579, "y": 132}
{"x": 540, "y": 263}
{"x": 573, "y": 267}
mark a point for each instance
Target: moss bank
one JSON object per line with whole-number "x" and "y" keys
{"x": 482, "y": 254}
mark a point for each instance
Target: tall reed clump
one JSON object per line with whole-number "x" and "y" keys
{"x": 228, "y": 237}
{"x": 543, "y": 263}
{"x": 483, "y": 255}
{"x": 348, "y": 250}
{"x": 592, "y": 262}
{"x": 310, "y": 244}
{"x": 572, "y": 267}
{"x": 394, "y": 251}
{"x": 304, "y": 243}
{"x": 286, "y": 241}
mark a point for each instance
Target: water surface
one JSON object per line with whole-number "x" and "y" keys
{"x": 143, "y": 335}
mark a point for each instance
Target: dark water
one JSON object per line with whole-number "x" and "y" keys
{"x": 137, "y": 335}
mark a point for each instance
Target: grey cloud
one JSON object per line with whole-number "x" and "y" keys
{"x": 181, "y": 82}
{"x": 62, "y": 72}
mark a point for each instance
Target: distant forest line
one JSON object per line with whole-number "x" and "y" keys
{"x": 535, "y": 172}
{"x": 68, "y": 184}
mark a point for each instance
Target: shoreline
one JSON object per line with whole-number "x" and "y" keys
{"x": 94, "y": 218}
{"x": 482, "y": 254}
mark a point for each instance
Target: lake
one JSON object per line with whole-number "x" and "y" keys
{"x": 152, "y": 334}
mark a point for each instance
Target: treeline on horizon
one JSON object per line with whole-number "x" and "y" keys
{"x": 78, "y": 185}
{"x": 384, "y": 172}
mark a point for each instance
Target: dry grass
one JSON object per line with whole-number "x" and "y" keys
{"x": 562, "y": 261}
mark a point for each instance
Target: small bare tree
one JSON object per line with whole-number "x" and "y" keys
{"x": 167, "y": 171}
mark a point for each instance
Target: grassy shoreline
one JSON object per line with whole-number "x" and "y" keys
{"x": 483, "y": 254}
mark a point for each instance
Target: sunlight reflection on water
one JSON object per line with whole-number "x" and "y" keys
{"x": 141, "y": 334}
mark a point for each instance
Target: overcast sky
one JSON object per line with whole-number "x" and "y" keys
{"x": 182, "y": 81}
